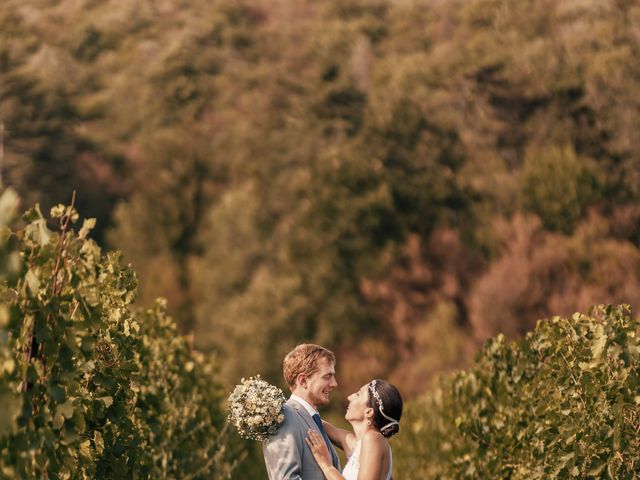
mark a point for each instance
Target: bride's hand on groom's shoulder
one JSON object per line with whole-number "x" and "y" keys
{"x": 318, "y": 448}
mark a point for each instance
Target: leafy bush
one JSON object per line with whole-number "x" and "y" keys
{"x": 561, "y": 402}
{"x": 92, "y": 388}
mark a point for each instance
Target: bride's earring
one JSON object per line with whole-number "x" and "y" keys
{"x": 369, "y": 423}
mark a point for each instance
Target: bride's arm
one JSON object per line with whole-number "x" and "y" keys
{"x": 343, "y": 439}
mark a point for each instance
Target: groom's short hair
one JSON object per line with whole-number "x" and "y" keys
{"x": 304, "y": 359}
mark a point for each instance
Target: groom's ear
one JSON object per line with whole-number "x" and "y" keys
{"x": 301, "y": 380}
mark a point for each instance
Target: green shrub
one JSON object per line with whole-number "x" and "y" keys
{"x": 92, "y": 388}
{"x": 561, "y": 402}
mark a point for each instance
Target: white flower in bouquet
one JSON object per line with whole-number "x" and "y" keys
{"x": 255, "y": 408}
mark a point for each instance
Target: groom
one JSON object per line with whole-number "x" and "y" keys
{"x": 310, "y": 373}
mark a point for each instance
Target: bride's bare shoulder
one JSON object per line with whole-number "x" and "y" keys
{"x": 374, "y": 440}
{"x": 374, "y": 452}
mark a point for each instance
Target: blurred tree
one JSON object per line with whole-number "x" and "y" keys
{"x": 47, "y": 155}
{"x": 157, "y": 226}
{"x": 558, "y": 186}
{"x": 338, "y": 171}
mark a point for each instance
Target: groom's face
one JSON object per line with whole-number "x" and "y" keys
{"x": 319, "y": 385}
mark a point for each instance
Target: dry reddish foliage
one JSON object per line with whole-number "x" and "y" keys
{"x": 422, "y": 307}
{"x": 541, "y": 274}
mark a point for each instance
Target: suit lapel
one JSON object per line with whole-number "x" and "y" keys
{"x": 303, "y": 413}
{"x": 309, "y": 421}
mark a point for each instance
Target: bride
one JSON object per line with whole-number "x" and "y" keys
{"x": 374, "y": 412}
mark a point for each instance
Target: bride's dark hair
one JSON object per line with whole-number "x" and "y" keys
{"x": 387, "y": 420}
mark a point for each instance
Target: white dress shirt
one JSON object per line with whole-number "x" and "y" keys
{"x": 312, "y": 411}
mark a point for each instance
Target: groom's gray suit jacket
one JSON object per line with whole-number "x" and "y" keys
{"x": 286, "y": 454}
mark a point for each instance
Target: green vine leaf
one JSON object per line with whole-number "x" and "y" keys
{"x": 90, "y": 386}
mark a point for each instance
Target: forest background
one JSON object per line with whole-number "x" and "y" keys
{"x": 396, "y": 180}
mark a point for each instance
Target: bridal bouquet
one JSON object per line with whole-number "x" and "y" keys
{"x": 255, "y": 408}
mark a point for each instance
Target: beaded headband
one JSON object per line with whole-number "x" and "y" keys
{"x": 392, "y": 422}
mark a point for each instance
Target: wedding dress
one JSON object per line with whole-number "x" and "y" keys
{"x": 350, "y": 471}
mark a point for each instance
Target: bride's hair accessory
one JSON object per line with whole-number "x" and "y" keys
{"x": 374, "y": 392}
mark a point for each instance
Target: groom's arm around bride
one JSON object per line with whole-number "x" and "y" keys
{"x": 310, "y": 373}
